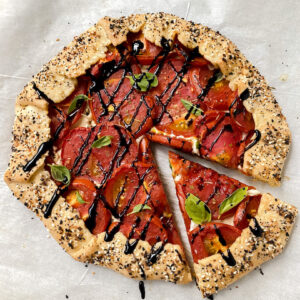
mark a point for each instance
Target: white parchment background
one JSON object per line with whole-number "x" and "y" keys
{"x": 32, "y": 265}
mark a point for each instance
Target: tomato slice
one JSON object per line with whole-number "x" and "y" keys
{"x": 148, "y": 227}
{"x": 87, "y": 191}
{"x": 221, "y": 143}
{"x": 245, "y": 211}
{"x": 120, "y": 103}
{"x": 212, "y": 238}
{"x": 243, "y": 120}
{"x": 124, "y": 190}
{"x": 95, "y": 163}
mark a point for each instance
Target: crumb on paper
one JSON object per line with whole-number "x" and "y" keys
{"x": 284, "y": 77}
{"x": 286, "y": 177}
{"x": 58, "y": 39}
{"x": 93, "y": 273}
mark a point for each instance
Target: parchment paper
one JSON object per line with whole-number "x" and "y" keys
{"x": 32, "y": 264}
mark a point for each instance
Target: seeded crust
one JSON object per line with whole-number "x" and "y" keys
{"x": 276, "y": 218}
{"x": 57, "y": 80}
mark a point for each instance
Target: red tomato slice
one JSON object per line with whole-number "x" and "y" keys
{"x": 153, "y": 232}
{"x": 130, "y": 108}
{"x": 221, "y": 144}
{"x": 199, "y": 62}
{"x": 87, "y": 191}
{"x": 96, "y": 162}
{"x": 220, "y": 96}
{"x": 206, "y": 241}
{"x": 124, "y": 191}
{"x": 243, "y": 120}
{"x": 245, "y": 211}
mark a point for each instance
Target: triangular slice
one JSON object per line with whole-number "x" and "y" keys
{"x": 232, "y": 228}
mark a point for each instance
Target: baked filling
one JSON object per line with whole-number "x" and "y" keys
{"x": 171, "y": 95}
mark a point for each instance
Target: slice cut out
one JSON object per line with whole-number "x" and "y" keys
{"x": 238, "y": 238}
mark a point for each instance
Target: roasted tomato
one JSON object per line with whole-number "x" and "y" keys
{"x": 145, "y": 226}
{"x": 83, "y": 190}
{"x": 78, "y": 156}
{"x": 245, "y": 211}
{"x": 212, "y": 238}
{"x": 122, "y": 104}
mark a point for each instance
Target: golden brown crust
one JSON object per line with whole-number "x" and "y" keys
{"x": 58, "y": 80}
{"x": 276, "y": 218}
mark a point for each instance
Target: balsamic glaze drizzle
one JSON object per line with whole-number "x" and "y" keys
{"x": 53, "y": 200}
{"x": 256, "y": 140}
{"x": 226, "y": 127}
{"x": 229, "y": 259}
{"x": 142, "y": 289}
{"x": 43, "y": 148}
{"x": 256, "y": 230}
{"x": 154, "y": 254}
{"x": 219, "y": 234}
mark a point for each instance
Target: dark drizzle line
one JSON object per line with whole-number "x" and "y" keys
{"x": 256, "y": 230}
{"x": 57, "y": 193}
{"x": 226, "y": 127}
{"x": 204, "y": 92}
{"x": 142, "y": 289}
{"x": 195, "y": 234}
{"x": 229, "y": 259}
{"x": 43, "y": 148}
{"x": 85, "y": 159}
{"x": 210, "y": 83}
{"x": 152, "y": 258}
{"x": 129, "y": 247}
{"x": 245, "y": 94}
{"x": 219, "y": 234}
{"x": 41, "y": 94}
{"x": 256, "y": 140}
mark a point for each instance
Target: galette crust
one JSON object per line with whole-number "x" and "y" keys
{"x": 276, "y": 218}
{"x": 57, "y": 80}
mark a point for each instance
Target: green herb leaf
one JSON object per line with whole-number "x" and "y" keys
{"x": 60, "y": 173}
{"x": 233, "y": 200}
{"x": 190, "y": 106}
{"x": 220, "y": 77}
{"x": 138, "y": 208}
{"x": 144, "y": 81}
{"x": 77, "y": 102}
{"x": 79, "y": 198}
{"x": 103, "y": 141}
{"x": 197, "y": 210}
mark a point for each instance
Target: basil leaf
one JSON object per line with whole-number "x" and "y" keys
{"x": 233, "y": 200}
{"x": 190, "y": 106}
{"x": 197, "y": 210}
{"x": 143, "y": 81}
{"x": 138, "y": 208}
{"x": 79, "y": 198}
{"x": 77, "y": 102}
{"x": 220, "y": 77}
{"x": 60, "y": 173}
{"x": 103, "y": 141}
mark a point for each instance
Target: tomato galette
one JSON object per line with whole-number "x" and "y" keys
{"x": 81, "y": 158}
